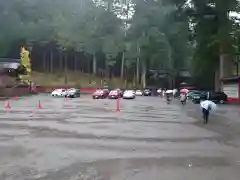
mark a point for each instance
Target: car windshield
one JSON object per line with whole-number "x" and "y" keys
{"x": 114, "y": 92}
{"x": 99, "y": 91}
{"x": 196, "y": 93}
{"x": 72, "y": 89}
{"x": 129, "y": 91}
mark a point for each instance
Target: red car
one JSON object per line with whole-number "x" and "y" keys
{"x": 114, "y": 94}
{"x": 100, "y": 94}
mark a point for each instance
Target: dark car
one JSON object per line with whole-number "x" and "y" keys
{"x": 217, "y": 97}
{"x": 73, "y": 93}
{"x": 147, "y": 92}
{"x": 100, "y": 94}
{"x": 191, "y": 94}
{"x": 196, "y": 98}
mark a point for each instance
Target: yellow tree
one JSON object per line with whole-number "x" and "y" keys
{"x": 26, "y": 64}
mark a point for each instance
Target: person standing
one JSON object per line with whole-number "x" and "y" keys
{"x": 163, "y": 92}
{"x": 175, "y": 92}
{"x": 183, "y": 98}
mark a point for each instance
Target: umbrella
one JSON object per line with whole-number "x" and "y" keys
{"x": 169, "y": 91}
{"x": 205, "y": 104}
{"x": 184, "y": 90}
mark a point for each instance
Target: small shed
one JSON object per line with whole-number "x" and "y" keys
{"x": 231, "y": 87}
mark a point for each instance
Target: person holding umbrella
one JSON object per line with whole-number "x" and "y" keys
{"x": 207, "y": 106}
{"x": 168, "y": 94}
{"x": 183, "y": 98}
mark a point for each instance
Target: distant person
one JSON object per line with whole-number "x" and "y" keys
{"x": 183, "y": 98}
{"x": 159, "y": 92}
{"x": 208, "y": 95}
{"x": 163, "y": 93}
{"x": 168, "y": 97}
{"x": 175, "y": 92}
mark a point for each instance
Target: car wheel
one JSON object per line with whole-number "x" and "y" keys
{"x": 221, "y": 101}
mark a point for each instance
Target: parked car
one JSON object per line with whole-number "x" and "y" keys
{"x": 147, "y": 92}
{"x": 197, "y": 98}
{"x": 59, "y": 92}
{"x": 114, "y": 94}
{"x": 129, "y": 94}
{"x": 100, "y": 94}
{"x": 73, "y": 93}
{"x": 217, "y": 97}
{"x": 139, "y": 93}
{"x": 193, "y": 93}
{"x": 120, "y": 91}
{"x": 106, "y": 92}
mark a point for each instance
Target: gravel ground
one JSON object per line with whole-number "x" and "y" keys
{"x": 86, "y": 139}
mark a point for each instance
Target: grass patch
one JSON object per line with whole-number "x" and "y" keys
{"x": 77, "y": 80}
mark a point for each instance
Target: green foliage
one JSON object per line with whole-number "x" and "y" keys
{"x": 156, "y": 32}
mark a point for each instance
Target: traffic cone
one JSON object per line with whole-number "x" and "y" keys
{"x": 39, "y": 106}
{"x": 118, "y": 105}
{"x": 7, "y": 105}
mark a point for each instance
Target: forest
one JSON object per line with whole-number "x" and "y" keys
{"x": 124, "y": 38}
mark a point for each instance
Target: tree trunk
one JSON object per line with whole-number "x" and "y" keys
{"x": 44, "y": 61}
{"x": 125, "y": 35}
{"x": 122, "y": 65}
{"x": 107, "y": 72}
{"x": 89, "y": 72}
{"x": 143, "y": 76}
{"x": 137, "y": 66}
{"x": 217, "y": 84}
{"x": 237, "y": 69}
{"x": 134, "y": 80}
{"x": 61, "y": 62}
{"x": 65, "y": 69}
{"x": 51, "y": 61}
{"x": 173, "y": 81}
{"x": 75, "y": 63}
{"x": 94, "y": 64}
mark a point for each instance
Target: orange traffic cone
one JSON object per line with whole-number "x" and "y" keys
{"x": 39, "y": 106}
{"x": 7, "y": 105}
{"x": 118, "y": 105}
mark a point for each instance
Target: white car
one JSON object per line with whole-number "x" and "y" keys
{"x": 129, "y": 94}
{"x": 139, "y": 93}
{"x": 59, "y": 92}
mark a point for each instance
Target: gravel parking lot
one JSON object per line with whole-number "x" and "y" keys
{"x": 86, "y": 139}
